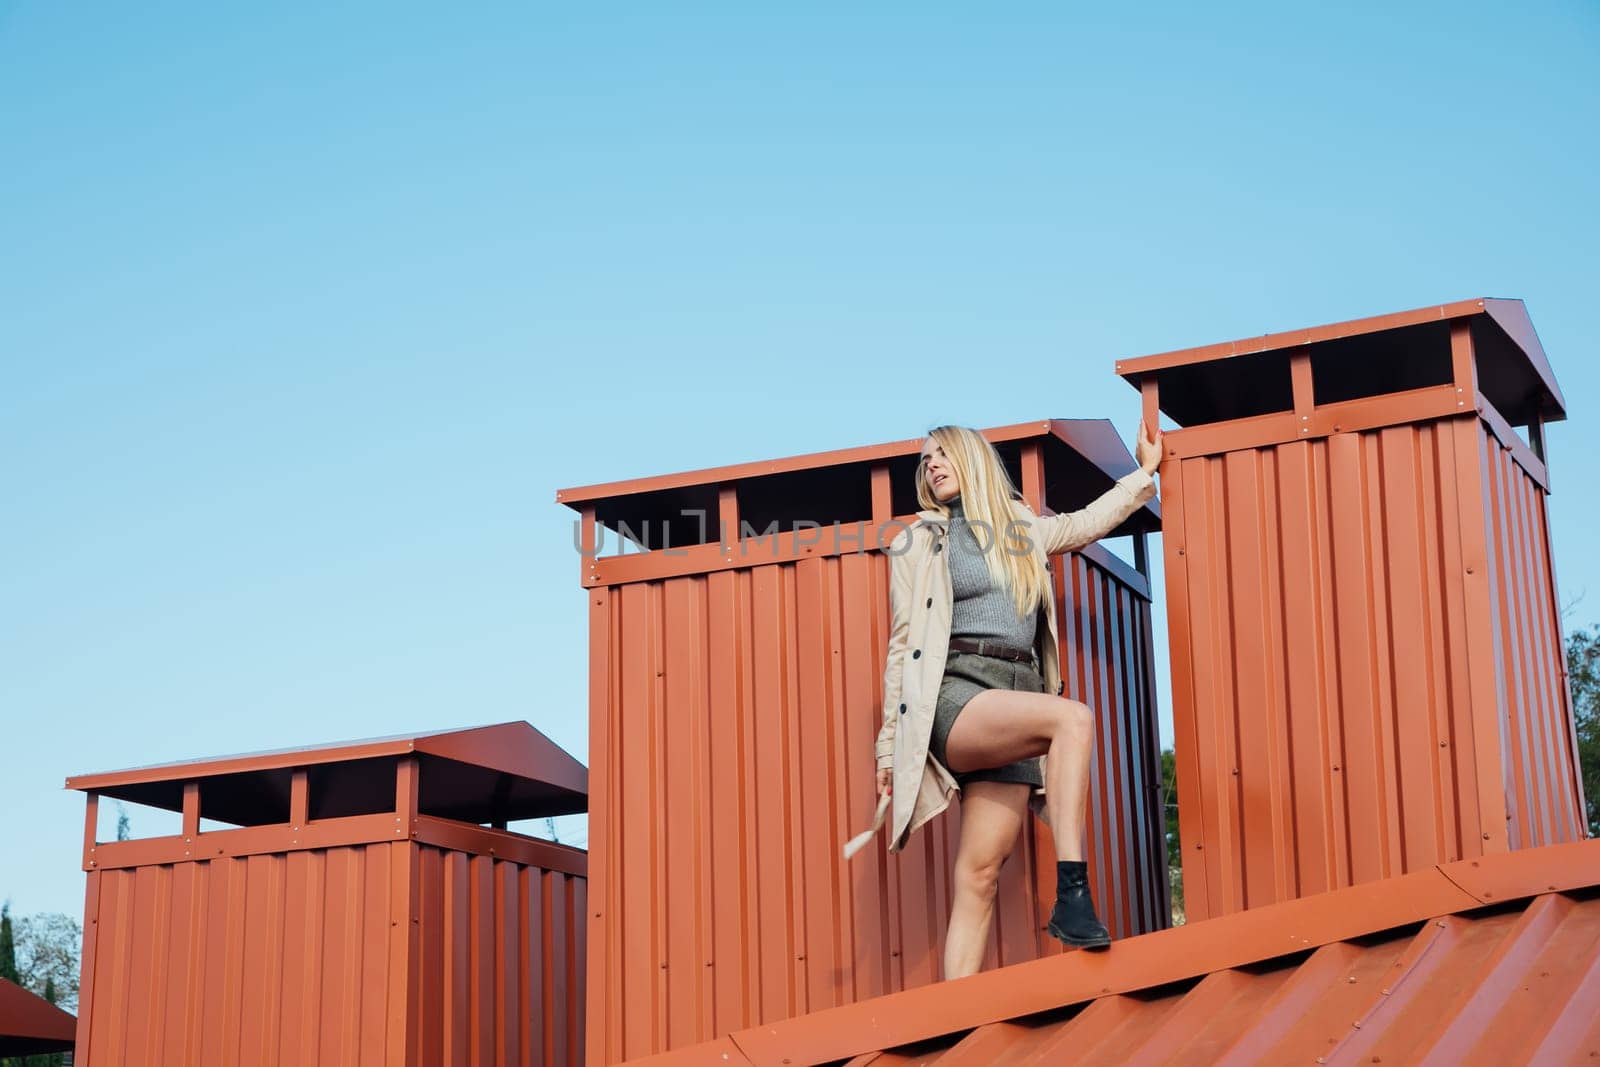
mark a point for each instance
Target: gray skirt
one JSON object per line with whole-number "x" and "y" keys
{"x": 967, "y": 674}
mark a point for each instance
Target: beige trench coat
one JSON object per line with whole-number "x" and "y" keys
{"x": 919, "y": 639}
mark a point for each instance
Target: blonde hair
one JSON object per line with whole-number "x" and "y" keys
{"x": 987, "y": 498}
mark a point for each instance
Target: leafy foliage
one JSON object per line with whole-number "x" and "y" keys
{"x": 47, "y": 947}
{"x": 1583, "y": 675}
{"x": 1169, "y": 804}
{"x": 8, "y": 944}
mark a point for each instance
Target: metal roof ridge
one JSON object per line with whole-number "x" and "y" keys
{"x": 1158, "y": 958}
{"x": 1131, "y": 367}
{"x": 269, "y": 759}
{"x": 576, "y": 496}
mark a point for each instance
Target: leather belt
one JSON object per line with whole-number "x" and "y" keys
{"x": 991, "y": 648}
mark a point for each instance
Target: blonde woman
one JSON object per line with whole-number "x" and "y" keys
{"x": 972, "y": 688}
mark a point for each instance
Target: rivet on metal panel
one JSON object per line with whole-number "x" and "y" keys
{"x": 1236, "y": 772}
{"x": 1385, "y": 992}
{"x": 1351, "y": 979}
{"x": 1444, "y": 744}
{"x": 1440, "y": 924}
{"x": 1198, "y": 846}
{"x": 1357, "y": 1023}
{"x": 1335, "y": 768}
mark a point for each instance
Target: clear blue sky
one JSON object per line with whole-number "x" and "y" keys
{"x": 308, "y": 310}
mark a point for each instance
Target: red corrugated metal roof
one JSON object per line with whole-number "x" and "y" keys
{"x": 30, "y": 1024}
{"x": 1493, "y": 960}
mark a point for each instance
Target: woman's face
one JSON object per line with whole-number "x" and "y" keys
{"x": 940, "y": 475}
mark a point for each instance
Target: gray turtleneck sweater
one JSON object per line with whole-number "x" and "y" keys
{"x": 981, "y": 610}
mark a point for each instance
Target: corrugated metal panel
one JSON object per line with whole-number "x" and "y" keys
{"x": 732, "y": 724}
{"x": 1107, "y": 663}
{"x": 264, "y": 960}
{"x": 501, "y": 972}
{"x": 1544, "y": 782}
{"x": 1345, "y": 709}
{"x": 1490, "y": 961}
{"x": 318, "y": 957}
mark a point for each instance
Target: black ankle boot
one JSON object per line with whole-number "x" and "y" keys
{"x": 1073, "y": 919}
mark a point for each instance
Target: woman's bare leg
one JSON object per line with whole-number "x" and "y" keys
{"x": 1000, "y": 726}
{"x": 991, "y": 817}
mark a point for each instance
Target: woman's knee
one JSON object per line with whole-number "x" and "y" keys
{"x": 979, "y": 878}
{"x": 1074, "y": 720}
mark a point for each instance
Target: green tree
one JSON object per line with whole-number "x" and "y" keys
{"x": 1583, "y": 676}
{"x": 8, "y": 961}
{"x": 8, "y": 945}
{"x": 1169, "y": 806}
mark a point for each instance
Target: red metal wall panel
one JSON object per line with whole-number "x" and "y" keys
{"x": 389, "y": 953}
{"x": 1365, "y": 658}
{"x": 264, "y": 959}
{"x": 732, "y": 724}
{"x": 501, "y": 976}
{"x": 1543, "y": 780}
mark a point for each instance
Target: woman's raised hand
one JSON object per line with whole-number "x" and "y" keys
{"x": 1148, "y": 450}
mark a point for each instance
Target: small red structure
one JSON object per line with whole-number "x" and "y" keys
{"x": 735, "y": 689}
{"x": 31, "y": 1025}
{"x": 1368, "y": 673}
{"x": 357, "y": 912}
